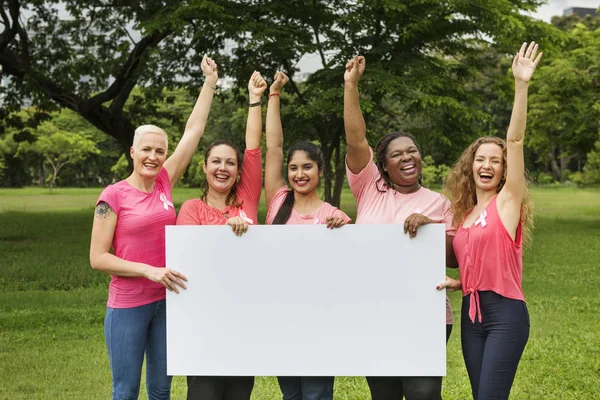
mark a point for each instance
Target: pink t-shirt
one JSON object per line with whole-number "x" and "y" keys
{"x": 197, "y": 212}
{"x": 378, "y": 204}
{"x": 319, "y": 216}
{"x": 140, "y": 237}
{"x": 489, "y": 259}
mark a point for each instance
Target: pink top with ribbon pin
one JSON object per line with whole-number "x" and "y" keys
{"x": 139, "y": 236}
{"x": 489, "y": 259}
{"x": 319, "y": 216}
{"x": 197, "y": 212}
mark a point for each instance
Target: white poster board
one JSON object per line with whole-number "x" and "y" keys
{"x": 304, "y": 300}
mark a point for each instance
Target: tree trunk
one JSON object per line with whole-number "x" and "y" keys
{"x": 555, "y": 168}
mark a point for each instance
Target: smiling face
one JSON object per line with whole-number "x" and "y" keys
{"x": 149, "y": 155}
{"x": 488, "y": 167}
{"x": 221, "y": 167}
{"x": 403, "y": 162}
{"x": 303, "y": 173}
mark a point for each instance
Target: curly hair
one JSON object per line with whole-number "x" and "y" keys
{"x": 232, "y": 199}
{"x": 460, "y": 186}
{"x": 381, "y": 158}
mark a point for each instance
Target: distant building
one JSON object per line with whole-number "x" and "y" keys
{"x": 579, "y": 11}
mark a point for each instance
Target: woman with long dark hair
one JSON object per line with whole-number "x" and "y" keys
{"x": 299, "y": 204}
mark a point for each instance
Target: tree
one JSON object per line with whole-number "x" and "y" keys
{"x": 420, "y": 56}
{"x": 59, "y": 148}
{"x": 565, "y": 102}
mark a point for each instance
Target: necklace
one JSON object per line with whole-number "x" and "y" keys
{"x": 213, "y": 205}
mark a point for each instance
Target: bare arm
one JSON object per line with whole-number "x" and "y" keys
{"x": 194, "y": 129}
{"x": 274, "y": 158}
{"x": 513, "y": 192}
{"x": 256, "y": 87}
{"x": 359, "y": 154}
{"x": 103, "y": 230}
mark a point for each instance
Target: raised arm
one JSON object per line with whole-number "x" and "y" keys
{"x": 103, "y": 230}
{"x": 513, "y": 192}
{"x": 359, "y": 154}
{"x": 196, "y": 123}
{"x": 274, "y": 159}
{"x": 256, "y": 88}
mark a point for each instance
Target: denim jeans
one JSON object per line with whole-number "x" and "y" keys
{"x": 493, "y": 347}
{"x": 129, "y": 333}
{"x": 306, "y": 387}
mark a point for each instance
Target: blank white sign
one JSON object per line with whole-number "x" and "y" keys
{"x": 304, "y": 300}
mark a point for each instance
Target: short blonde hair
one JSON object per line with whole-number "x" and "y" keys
{"x": 143, "y": 129}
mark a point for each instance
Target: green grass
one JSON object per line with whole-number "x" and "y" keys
{"x": 52, "y": 304}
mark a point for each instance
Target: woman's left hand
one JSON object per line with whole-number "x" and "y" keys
{"x": 238, "y": 225}
{"x": 525, "y": 62}
{"x": 335, "y": 222}
{"x": 413, "y": 222}
{"x": 209, "y": 68}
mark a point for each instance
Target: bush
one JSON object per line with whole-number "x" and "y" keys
{"x": 433, "y": 175}
{"x": 544, "y": 178}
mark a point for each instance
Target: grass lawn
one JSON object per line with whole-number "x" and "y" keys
{"x": 52, "y": 304}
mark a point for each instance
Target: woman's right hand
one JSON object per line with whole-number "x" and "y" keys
{"x": 256, "y": 87}
{"x": 279, "y": 81}
{"x": 354, "y": 70}
{"x": 451, "y": 285}
{"x": 238, "y": 224}
{"x": 167, "y": 277}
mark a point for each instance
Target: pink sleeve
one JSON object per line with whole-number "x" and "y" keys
{"x": 110, "y": 196}
{"x": 188, "y": 214}
{"x": 250, "y": 185}
{"x": 364, "y": 181}
{"x": 276, "y": 203}
{"x": 448, "y": 217}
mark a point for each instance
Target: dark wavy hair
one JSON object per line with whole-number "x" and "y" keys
{"x": 232, "y": 199}
{"x": 381, "y": 158}
{"x": 314, "y": 153}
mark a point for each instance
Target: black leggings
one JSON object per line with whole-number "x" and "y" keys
{"x": 492, "y": 349}
{"x": 408, "y": 387}
{"x": 219, "y": 387}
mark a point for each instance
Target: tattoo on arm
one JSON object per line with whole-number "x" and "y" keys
{"x": 103, "y": 210}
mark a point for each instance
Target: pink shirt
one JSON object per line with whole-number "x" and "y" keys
{"x": 140, "y": 237}
{"x": 319, "y": 216}
{"x": 197, "y": 212}
{"x": 377, "y": 204}
{"x": 489, "y": 259}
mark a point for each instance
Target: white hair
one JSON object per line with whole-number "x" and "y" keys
{"x": 143, "y": 129}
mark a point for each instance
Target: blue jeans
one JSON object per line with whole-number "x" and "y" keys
{"x": 131, "y": 332}
{"x": 493, "y": 347}
{"x": 306, "y": 387}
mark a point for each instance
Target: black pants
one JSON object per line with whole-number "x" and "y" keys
{"x": 409, "y": 387}
{"x": 219, "y": 387}
{"x": 493, "y": 347}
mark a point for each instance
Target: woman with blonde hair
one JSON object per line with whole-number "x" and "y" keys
{"x": 130, "y": 218}
{"x": 492, "y": 212}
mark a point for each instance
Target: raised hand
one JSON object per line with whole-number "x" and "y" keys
{"x": 209, "y": 68}
{"x": 354, "y": 70}
{"x": 256, "y": 86}
{"x": 167, "y": 277}
{"x": 525, "y": 62}
{"x": 279, "y": 81}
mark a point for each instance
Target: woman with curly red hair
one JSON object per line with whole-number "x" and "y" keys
{"x": 492, "y": 212}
